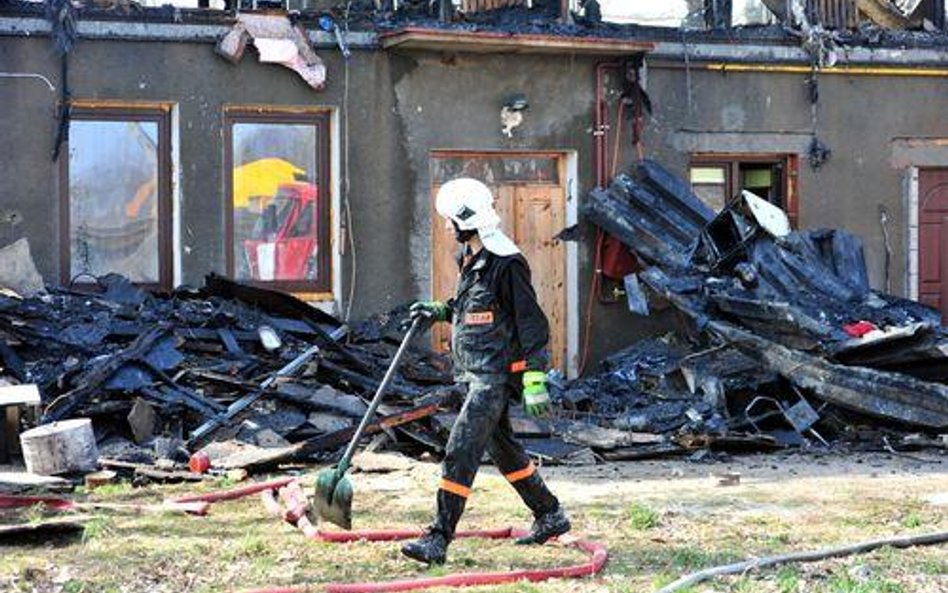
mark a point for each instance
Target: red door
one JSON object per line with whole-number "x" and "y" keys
{"x": 933, "y": 238}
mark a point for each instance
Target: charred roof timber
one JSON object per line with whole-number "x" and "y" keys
{"x": 797, "y": 302}
{"x": 911, "y": 23}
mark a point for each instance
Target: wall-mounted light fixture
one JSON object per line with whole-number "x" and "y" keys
{"x": 511, "y": 113}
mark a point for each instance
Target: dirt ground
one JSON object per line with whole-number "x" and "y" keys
{"x": 659, "y": 519}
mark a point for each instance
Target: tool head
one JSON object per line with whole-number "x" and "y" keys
{"x": 333, "y": 500}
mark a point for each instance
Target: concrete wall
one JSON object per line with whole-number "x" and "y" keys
{"x": 404, "y": 105}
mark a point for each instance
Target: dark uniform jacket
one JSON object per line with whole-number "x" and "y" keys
{"x": 498, "y": 326}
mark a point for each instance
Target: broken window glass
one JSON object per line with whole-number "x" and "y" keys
{"x": 278, "y": 211}
{"x": 113, "y": 193}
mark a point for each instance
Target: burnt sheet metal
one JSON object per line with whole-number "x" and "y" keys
{"x": 275, "y": 303}
{"x": 675, "y": 192}
{"x": 277, "y": 41}
{"x": 659, "y": 228}
{"x": 653, "y": 212}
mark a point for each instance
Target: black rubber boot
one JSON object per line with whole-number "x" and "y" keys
{"x": 431, "y": 548}
{"x": 546, "y": 526}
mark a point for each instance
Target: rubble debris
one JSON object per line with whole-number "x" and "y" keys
{"x": 100, "y": 478}
{"x": 142, "y": 420}
{"x": 21, "y": 482}
{"x": 43, "y": 530}
{"x": 278, "y": 41}
{"x": 776, "y": 315}
{"x": 159, "y": 373}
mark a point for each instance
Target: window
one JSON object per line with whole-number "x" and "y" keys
{"x": 116, "y": 179}
{"x": 717, "y": 179}
{"x": 278, "y": 198}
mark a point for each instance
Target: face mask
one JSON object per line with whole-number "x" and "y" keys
{"x": 462, "y": 236}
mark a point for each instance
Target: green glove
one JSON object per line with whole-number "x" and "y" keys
{"x": 536, "y": 399}
{"x": 430, "y": 311}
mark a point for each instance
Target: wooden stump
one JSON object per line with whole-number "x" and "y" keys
{"x": 60, "y": 447}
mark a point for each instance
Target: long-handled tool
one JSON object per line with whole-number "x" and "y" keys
{"x": 333, "y": 500}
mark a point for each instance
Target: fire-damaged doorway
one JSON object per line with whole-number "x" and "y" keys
{"x": 531, "y": 198}
{"x": 933, "y": 238}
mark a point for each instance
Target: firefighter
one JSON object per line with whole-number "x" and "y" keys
{"x": 499, "y": 341}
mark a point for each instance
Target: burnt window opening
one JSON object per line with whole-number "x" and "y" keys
{"x": 115, "y": 191}
{"x": 717, "y": 179}
{"x": 277, "y": 163}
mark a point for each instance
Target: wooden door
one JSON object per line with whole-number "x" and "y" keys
{"x": 531, "y": 201}
{"x": 933, "y": 238}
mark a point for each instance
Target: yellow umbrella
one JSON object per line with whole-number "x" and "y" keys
{"x": 262, "y": 178}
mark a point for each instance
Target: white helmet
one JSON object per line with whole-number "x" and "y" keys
{"x": 470, "y": 204}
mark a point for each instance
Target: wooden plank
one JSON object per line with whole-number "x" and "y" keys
{"x": 444, "y": 271}
{"x": 19, "y": 481}
{"x": 538, "y": 218}
{"x": 23, "y": 533}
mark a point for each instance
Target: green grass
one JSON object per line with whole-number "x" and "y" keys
{"x": 912, "y": 520}
{"x": 847, "y": 584}
{"x": 656, "y": 531}
{"x": 788, "y": 580}
{"x": 642, "y": 517}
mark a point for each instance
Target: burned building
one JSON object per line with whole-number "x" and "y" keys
{"x": 303, "y": 152}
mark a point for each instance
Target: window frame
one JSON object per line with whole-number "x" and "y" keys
{"x": 731, "y": 163}
{"x": 158, "y": 113}
{"x": 320, "y": 119}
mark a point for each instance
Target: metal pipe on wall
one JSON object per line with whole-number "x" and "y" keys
{"x": 725, "y": 68}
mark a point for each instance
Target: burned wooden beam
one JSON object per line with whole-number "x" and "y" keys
{"x": 90, "y": 382}
{"x": 876, "y": 393}
{"x": 246, "y": 401}
{"x": 870, "y": 391}
{"x": 363, "y": 382}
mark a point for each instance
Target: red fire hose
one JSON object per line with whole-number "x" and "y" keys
{"x": 294, "y": 512}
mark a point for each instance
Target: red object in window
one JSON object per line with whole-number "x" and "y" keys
{"x": 284, "y": 244}
{"x": 859, "y": 329}
{"x": 617, "y": 261}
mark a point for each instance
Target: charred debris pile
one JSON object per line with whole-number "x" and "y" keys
{"x": 786, "y": 343}
{"x": 254, "y": 377}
